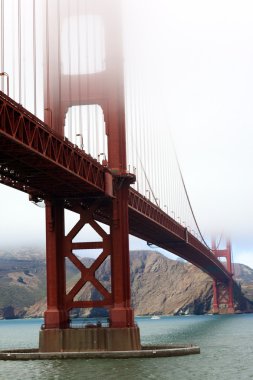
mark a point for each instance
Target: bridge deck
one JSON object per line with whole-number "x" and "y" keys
{"x": 34, "y": 157}
{"x": 36, "y": 160}
{"x": 150, "y": 223}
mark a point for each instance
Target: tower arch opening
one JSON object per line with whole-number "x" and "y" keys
{"x": 85, "y": 127}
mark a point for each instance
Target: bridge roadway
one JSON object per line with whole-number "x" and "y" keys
{"x": 34, "y": 159}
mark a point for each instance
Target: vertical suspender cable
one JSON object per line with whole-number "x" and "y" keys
{"x": 34, "y": 60}
{"x": 14, "y": 53}
{"x": 58, "y": 26}
{"x": 130, "y": 84}
{"x": 138, "y": 127}
{"x": 74, "y": 125}
{"x": 2, "y": 43}
{"x": 135, "y": 126}
{"x": 129, "y": 117}
{"x": 46, "y": 106}
{"x": 98, "y": 129}
{"x": 151, "y": 144}
{"x": 132, "y": 120}
{"x": 19, "y": 51}
{"x": 159, "y": 155}
{"x": 167, "y": 189}
{"x": 95, "y": 131}
{"x": 102, "y": 58}
{"x": 143, "y": 110}
{"x": 70, "y": 132}
{"x": 140, "y": 145}
{"x": 80, "y": 123}
{"x": 158, "y": 159}
{"x": 23, "y": 54}
{"x": 97, "y": 61}
{"x": 88, "y": 72}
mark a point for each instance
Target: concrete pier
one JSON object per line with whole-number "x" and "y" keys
{"x": 144, "y": 352}
{"x": 90, "y": 339}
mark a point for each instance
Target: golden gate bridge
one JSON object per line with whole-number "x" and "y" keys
{"x": 98, "y": 153}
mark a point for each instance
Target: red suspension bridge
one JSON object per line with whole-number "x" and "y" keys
{"x": 84, "y": 91}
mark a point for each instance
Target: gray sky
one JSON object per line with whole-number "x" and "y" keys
{"x": 211, "y": 97}
{"x": 204, "y": 53}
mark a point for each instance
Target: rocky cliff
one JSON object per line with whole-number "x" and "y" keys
{"x": 163, "y": 286}
{"x": 159, "y": 286}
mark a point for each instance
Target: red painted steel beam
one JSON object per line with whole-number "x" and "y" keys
{"x": 35, "y": 157}
{"x": 56, "y": 315}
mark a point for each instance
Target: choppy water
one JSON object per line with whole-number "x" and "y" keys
{"x": 226, "y": 344}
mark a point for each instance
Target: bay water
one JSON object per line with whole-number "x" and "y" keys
{"x": 226, "y": 343}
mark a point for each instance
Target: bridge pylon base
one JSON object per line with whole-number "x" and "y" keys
{"x": 90, "y": 339}
{"x": 231, "y": 310}
{"x": 215, "y": 310}
{"x": 223, "y": 298}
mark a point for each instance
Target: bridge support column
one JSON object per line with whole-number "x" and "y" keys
{"x": 231, "y": 308}
{"x": 215, "y": 298}
{"x": 56, "y": 316}
{"x": 122, "y": 334}
{"x": 121, "y": 313}
{"x": 223, "y": 301}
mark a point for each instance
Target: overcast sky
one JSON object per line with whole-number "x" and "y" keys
{"x": 205, "y": 55}
{"x": 204, "y": 50}
{"x": 211, "y": 97}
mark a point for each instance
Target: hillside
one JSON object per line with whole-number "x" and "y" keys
{"x": 163, "y": 286}
{"x": 159, "y": 285}
{"x": 244, "y": 277}
{"x": 22, "y": 283}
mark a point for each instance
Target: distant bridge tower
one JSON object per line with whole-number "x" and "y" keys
{"x": 223, "y": 301}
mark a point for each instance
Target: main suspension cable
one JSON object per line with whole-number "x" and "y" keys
{"x": 187, "y": 195}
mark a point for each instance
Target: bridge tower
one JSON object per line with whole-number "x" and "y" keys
{"x": 104, "y": 87}
{"x": 223, "y": 301}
